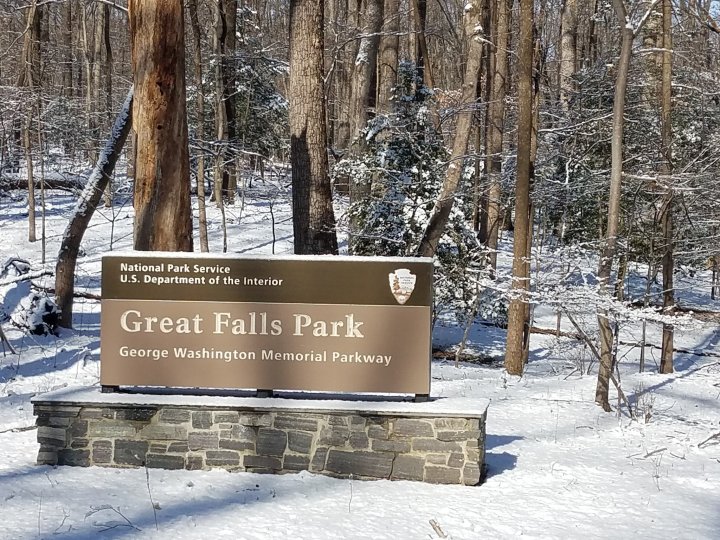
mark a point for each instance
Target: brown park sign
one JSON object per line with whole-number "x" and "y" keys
{"x": 346, "y": 324}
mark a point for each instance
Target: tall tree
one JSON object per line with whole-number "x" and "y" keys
{"x": 668, "y": 263}
{"x": 313, "y": 216}
{"x": 495, "y": 127}
{"x": 388, "y": 56}
{"x": 444, "y": 203}
{"x": 609, "y": 246}
{"x": 163, "y": 217}
{"x": 517, "y": 313}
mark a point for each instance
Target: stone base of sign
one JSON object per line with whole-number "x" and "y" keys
{"x": 441, "y": 441}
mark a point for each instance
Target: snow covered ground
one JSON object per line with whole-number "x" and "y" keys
{"x": 558, "y": 466}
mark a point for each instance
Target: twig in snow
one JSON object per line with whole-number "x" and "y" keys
{"x": 152, "y": 503}
{"x": 710, "y": 438}
{"x": 436, "y": 527}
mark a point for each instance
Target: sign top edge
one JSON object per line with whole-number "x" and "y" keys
{"x": 288, "y": 257}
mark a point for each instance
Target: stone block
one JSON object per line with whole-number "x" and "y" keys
{"x": 442, "y": 475}
{"x": 77, "y": 458}
{"x": 108, "y": 413}
{"x": 359, "y": 440}
{"x": 58, "y": 411}
{"x": 163, "y": 432}
{"x": 337, "y": 420}
{"x": 222, "y": 458}
{"x": 372, "y": 464}
{"x": 51, "y": 436}
{"x": 158, "y": 448}
{"x": 179, "y": 447}
{"x": 433, "y": 445}
{"x": 79, "y": 428}
{"x": 79, "y": 443}
{"x": 334, "y": 436}
{"x": 54, "y": 421}
{"x": 174, "y": 416}
{"x": 111, "y": 430}
{"x": 296, "y": 422}
{"x": 436, "y": 459}
{"x": 203, "y": 440}
{"x": 318, "y": 460}
{"x": 102, "y": 452}
{"x": 47, "y": 457}
{"x": 256, "y": 420}
{"x": 377, "y": 432}
{"x": 400, "y": 446}
{"x": 202, "y": 419}
{"x": 471, "y": 474}
{"x": 410, "y": 427}
{"x": 458, "y": 435}
{"x": 130, "y": 452}
{"x": 473, "y": 454}
{"x": 408, "y": 468}
{"x": 240, "y": 446}
{"x": 299, "y": 441}
{"x": 357, "y": 423}
{"x": 454, "y": 424}
{"x": 165, "y": 461}
{"x": 292, "y": 462}
{"x": 262, "y": 462}
{"x": 194, "y": 463}
{"x": 226, "y": 417}
{"x": 139, "y": 414}
{"x": 456, "y": 460}
{"x": 87, "y": 413}
{"x": 271, "y": 442}
{"x": 240, "y": 433}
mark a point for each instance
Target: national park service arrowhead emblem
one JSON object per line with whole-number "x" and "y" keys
{"x": 402, "y": 284}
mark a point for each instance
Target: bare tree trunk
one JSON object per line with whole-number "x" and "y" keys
{"x": 668, "y": 264}
{"x": 609, "y": 245}
{"x": 313, "y": 216}
{"x": 441, "y": 212}
{"x": 86, "y": 205}
{"x": 422, "y": 56}
{"x": 221, "y": 131}
{"x": 568, "y": 37}
{"x": 365, "y": 66}
{"x": 200, "y": 128}
{"x": 517, "y": 313}
{"x": 229, "y": 99}
{"x": 67, "y": 43}
{"x": 27, "y": 145}
{"x": 496, "y": 129}
{"x": 388, "y": 56}
{"x": 163, "y": 216}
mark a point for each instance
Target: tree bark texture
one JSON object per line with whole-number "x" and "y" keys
{"x": 495, "y": 128}
{"x": 613, "y": 217}
{"x": 517, "y": 312}
{"x": 163, "y": 217}
{"x": 86, "y": 205}
{"x": 668, "y": 220}
{"x": 388, "y": 56}
{"x": 441, "y": 212}
{"x": 313, "y": 216}
{"x": 568, "y": 38}
{"x": 200, "y": 127}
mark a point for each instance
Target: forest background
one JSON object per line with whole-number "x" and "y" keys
{"x": 580, "y": 129}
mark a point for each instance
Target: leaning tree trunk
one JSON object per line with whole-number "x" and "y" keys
{"x": 517, "y": 313}
{"x": 313, "y": 216}
{"x": 163, "y": 216}
{"x": 86, "y": 205}
{"x": 602, "y": 389}
{"x": 441, "y": 212}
